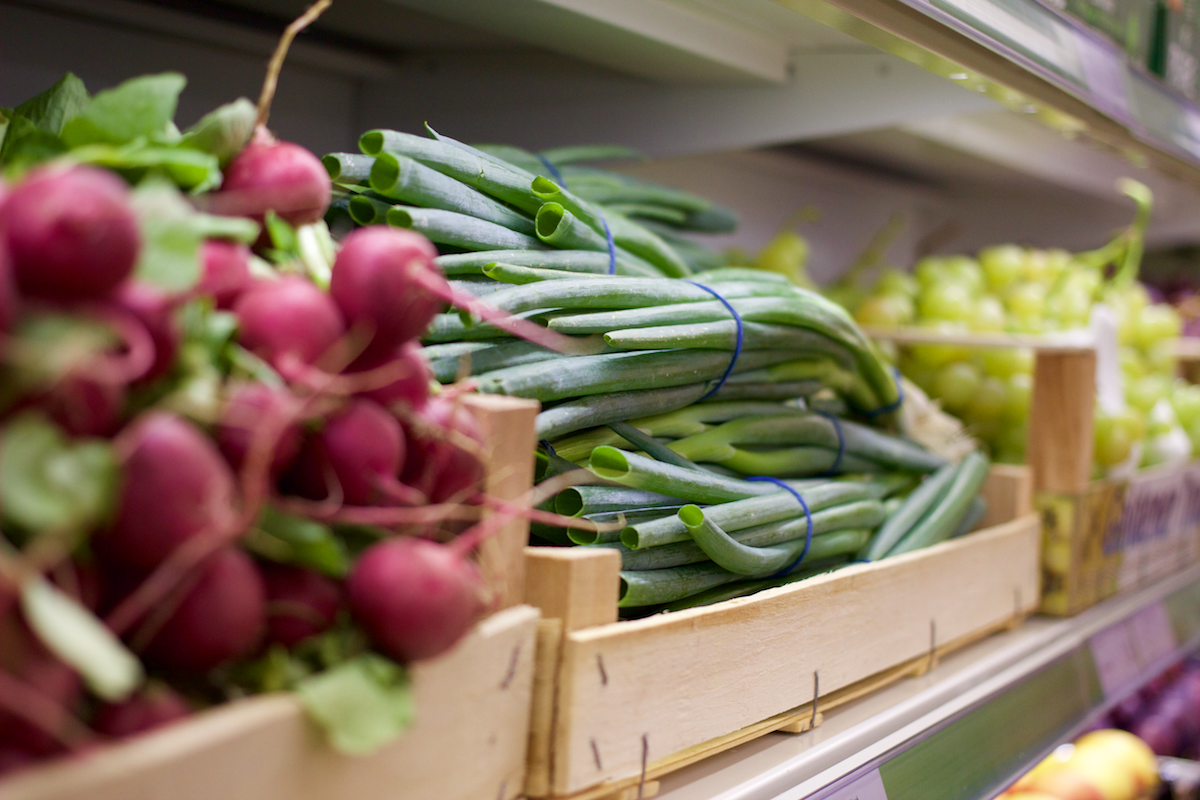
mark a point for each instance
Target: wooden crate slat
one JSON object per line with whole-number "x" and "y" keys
{"x": 686, "y": 678}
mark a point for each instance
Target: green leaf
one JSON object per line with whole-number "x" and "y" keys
{"x": 50, "y": 110}
{"x": 283, "y": 238}
{"x": 171, "y": 236}
{"x": 224, "y": 131}
{"x": 362, "y": 704}
{"x": 76, "y": 636}
{"x": 50, "y": 483}
{"x": 302, "y": 542}
{"x": 58, "y": 344}
{"x": 140, "y": 108}
{"x": 6, "y": 115}
{"x": 188, "y": 169}
{"x": 25, "y": 144}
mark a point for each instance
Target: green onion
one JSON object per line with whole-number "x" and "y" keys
{"x": 459, "y": 230}
{"x": 940, "y": 521}
{"x": 348, "y": 168}
{"x": 575, "y": 415}
{"x": 915, "y": 506}
{"x": 664, "y": 585}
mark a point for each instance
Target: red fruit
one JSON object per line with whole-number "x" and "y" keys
{"x": 8, "y": 288}
{"x": 273, "y": 175}
{"x": 175, "y": 486}
{"x": 24, "y": 657}
{"x": 150, "y": 708}
{"x": 249, "y": 406}
{"x": 71, "y": 233}
{"x": 288, "y": 320}
{"x": 413, "y": 597}
{"x": 382, "y": 281}
{"x": 221, "y": 617}
{"x": 300, "y": 603}
{"x": 411, "y": 389}
{"x": 226, "y": 271}
{"x": 13, "y": 759}
{"x": 155, "y": 310}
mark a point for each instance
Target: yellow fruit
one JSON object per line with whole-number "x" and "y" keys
{"x": 1127, "y": 749}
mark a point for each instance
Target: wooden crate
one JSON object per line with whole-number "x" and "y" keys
{"x": 618, "y": 703}
{"x": 472, "y": 704}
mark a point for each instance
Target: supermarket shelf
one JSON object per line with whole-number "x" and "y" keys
{"x": 980, "y": 718}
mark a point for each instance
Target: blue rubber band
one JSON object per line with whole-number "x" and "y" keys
{"x": 890, "y": 407}
{"x": 737, "y": 349}
{"x": 608, "y": 237}
{"x": 549, "y": 447}
{"x": 837, "y": 461}
{"x": 807, "y": 517}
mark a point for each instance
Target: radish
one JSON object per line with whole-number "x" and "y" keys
{"x": 176, "y": 486}
{"x": 221, "y": 617}
{"x": 156, "y": 311}
{"x": 270, "y": 175}
{"x": 226, "y": 271}
{"x": 42, "y": 675}
{"x": 288, "y": 322}
{"x": 13, "y": 759}
{"x": 152, "y": 707}
{"x": 360, "y": 451}
{"x": 414, "y": 598}
{"x": 249, "y": 408}
{"x": 273, "y": 175}
{"x": 411, "y": 388}
{"x": 71, "y": 233}
{"x": 84, "y": 406}
{"x": 8, "y": 289}
{"x": 440, "y": 465}
{"x": 301, "y": 603}
{"x": 381, "y": 282}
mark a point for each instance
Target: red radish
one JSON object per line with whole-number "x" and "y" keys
{"x": 176, "y": 486}
{"x": 381, "y": 282}
{"x": 83, "y": 406}
{"x": 410, "y": 388}
{"x": 413, "y": 597}
{"x": 270, "y": 175}
{"x": 250, "y": 408}
{"x": 81, "y": 581}
{"x": 71, "y": 233}
{"x": 288, "y": 322}
{"x": 300, "y": 603}
{"x": 226, "y": 271}
{"x": 155, "y": 310}
{"x": 49, "y": 679}
{"x": 152, "y": 707}
{"x": 360, "y": 450}
{"x": 221, "y": 617}
{"x": 439, "y": 464}
{"x": 13, "y": 759}
{"x": 8, "y": 289}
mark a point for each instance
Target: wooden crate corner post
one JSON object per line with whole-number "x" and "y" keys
{"x": 1060, "y": 419}
{"x": 507, "y": 426}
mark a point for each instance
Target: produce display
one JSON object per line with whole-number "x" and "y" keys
{"x": 738, "y": 432}
{"x": 222, "y": 470}
{"x": 1018, "y": 290}
{"x": 1165, "y": 713}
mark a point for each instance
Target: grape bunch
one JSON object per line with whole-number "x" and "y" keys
{"x": 1013, "y": 289}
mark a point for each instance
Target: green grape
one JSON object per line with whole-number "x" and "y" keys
{"x": 931, "y": 271}
{"x": 956, "y": 384}
{"x": 1002, "y": 362}
{"x": 1019, "y": 391}
{"x": 1161, "y": 358}
{"x": 1193, "y": 432}
{"x": 987, "y": 431}
{"x": 948, "y": 301}
{"x": 936, "y": 356}
{"x": 1185, "y": 400}
{"x": 965, "y": 270}
{"x": 1069, "y": 307}
{"x": 989, "y": 315}
{"x": 1002, "y": 266}
{"x": 1111, "y": 439}
{"x": 989, "y": 401}
{"x": 1131, "y": 362}
{"x": 1026, "y": 300}
{"x": 1058, "y": 261}
{"x": 1144, "y": 393}
{"x": 787, "y": 253}
{"x": 1156, "y": 323}
{"x": 1032, "y": 325}
{"x": 1010, "y": 444}
{"x": 893, "y": 281}
{"x": 885, "y": 311}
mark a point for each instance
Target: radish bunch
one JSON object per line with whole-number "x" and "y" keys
{"x": 246, "y": 479}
